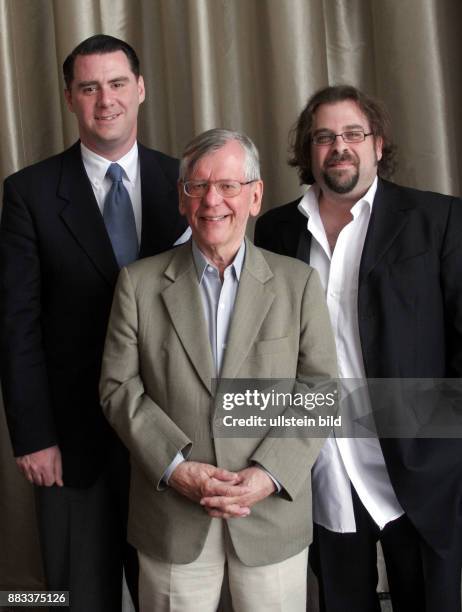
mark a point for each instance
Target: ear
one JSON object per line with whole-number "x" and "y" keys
{"x": 378, "y": 144}
{"x": 257, "y": 195}
{"x": 141, "y": 90}
{"x": 68, "y": 98}
{"x": 181, "y": 197}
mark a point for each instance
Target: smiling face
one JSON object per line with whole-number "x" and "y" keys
{"x": 218, "y": 223}
{"x": 105, "y": 95}
{"x": 344, "y": 169}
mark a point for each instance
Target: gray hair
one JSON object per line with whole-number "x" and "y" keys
{"x": 212, "y": 140}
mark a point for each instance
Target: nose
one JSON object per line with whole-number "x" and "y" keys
{"x": 212, "y": 197}
{"x": 339, "y": 144}
{"x": 104, "y": 97}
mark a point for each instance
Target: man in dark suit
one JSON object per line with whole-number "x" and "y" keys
{"x": 390, "y": 259}
{"x": 60, "y": 258}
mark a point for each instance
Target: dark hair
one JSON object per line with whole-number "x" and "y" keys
{"x": 375, "y": 111}
{"x": 100, "y": 43}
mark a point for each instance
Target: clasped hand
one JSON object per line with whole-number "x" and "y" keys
{"x": 222, "y": 493}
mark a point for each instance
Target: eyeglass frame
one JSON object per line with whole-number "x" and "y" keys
{"x": 342, "y": 134}
{"x": 208, "y": 183}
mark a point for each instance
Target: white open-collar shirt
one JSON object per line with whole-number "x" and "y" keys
{"x": 344, "y": 460}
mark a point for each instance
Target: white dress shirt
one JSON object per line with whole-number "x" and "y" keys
{"x": 96, "y": 168}
{"x": 343, "y": 460}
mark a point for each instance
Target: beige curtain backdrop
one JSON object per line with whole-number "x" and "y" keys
{"x": 244, "y": 64}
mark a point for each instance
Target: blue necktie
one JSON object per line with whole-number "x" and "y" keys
{"x": 119, "y": 219}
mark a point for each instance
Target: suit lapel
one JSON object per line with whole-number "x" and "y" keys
{"x": 82, "y": 216}
{"x": 253, "y": 302}
{"x": 184, "y": 305}
{"x": 387, "y": 220}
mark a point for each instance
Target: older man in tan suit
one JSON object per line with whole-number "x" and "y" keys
{"x": 215, "y": 307}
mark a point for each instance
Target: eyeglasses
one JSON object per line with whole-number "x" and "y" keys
{"x": 352, "y": 136}
{"x": 227, "y": 189}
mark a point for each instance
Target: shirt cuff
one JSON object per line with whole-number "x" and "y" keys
{"x": 179, "y": 458}
{"x": 278, "y": 486}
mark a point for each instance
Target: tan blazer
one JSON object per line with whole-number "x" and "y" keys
{"x": 156, "y": 392}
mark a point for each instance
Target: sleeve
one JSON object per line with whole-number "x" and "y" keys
{"x": 152, "y": 438}
{"x": 289, "y": 460}
{"x": 451, "y": 283}
{"x": 23, "y": 368}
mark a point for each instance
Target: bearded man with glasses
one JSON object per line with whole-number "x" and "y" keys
{"x": 390, "y": 260}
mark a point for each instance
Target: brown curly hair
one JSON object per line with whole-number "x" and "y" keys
{"x": 375, "y": 111}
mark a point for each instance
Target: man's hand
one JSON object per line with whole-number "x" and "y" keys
{"x": 42, "y": 468}
{"x": 258, "y": 484}
{"x": 201, "y": 480}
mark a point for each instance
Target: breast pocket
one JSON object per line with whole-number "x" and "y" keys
{"x": 272, "y": 358}
{"x": 410, "y": 258}
{"x": 407, "y": 281}
{"x": 272, "y": 346}
{"x": 407, "y": 273}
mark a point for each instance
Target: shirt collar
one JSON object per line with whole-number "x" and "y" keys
{"x": 309, "y": 206}
{"x": 201, "y": 262}
{"x": 96, "y": 165}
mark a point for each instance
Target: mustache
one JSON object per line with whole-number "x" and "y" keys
{"x": 340, "y": 157}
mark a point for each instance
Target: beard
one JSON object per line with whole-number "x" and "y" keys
{"x": 339, "y": 180}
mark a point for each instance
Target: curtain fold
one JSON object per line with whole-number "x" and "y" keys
{"x": 248, "y": 65}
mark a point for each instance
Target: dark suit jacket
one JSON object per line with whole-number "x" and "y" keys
{"x": 57, "y": 274}
{"x": 410, "y": 323}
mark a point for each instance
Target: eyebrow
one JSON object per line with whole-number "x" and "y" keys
{"x": 223, "y": 180}
{"x": 353, "y": 126}
{"x": 83, "y": 84}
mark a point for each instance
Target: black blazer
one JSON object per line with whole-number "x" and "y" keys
{"x": 57, "y": 274}
{"x": 410, "y": 324}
